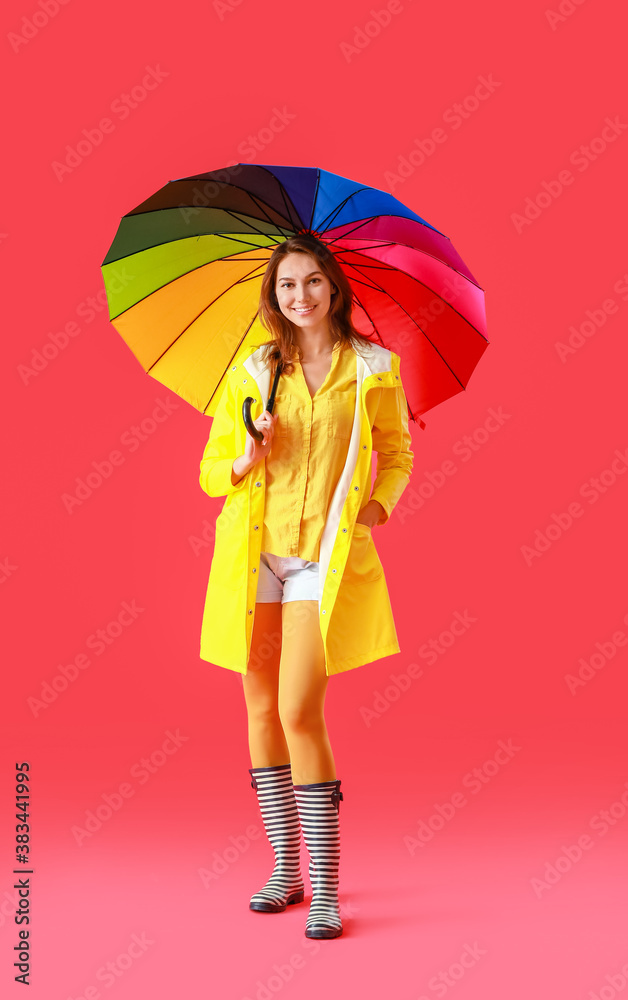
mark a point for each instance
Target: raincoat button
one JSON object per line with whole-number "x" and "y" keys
{"x": 244, "y": 380}
{"x": 234, "y": 368}
{"x": 344, "y": 529}
{"x": 250, "y": 611}
{"x": 356, "y": 487}
{"x": 334, "y": 571}
{"x": 258, "y": 484}
{"x": 378, "y": 379}
{"x": 397, "y": 377}
{"x": 323, "y": 612}
{"x": 364, "y": 447}
{"x": 254, "y": 569}
{"x": 255, "y": 527}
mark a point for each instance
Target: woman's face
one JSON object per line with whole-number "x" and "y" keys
{"x": 303, "y": 291}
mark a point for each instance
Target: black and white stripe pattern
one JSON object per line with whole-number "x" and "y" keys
{"x": 278, "y": 807}
{"x": 319, "y": 805}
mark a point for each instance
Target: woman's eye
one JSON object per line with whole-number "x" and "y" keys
{"x": 287, "y": 285}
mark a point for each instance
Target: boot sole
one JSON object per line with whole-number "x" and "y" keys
{"x": 261, "y": 907}
{"x": 323, "y": 932}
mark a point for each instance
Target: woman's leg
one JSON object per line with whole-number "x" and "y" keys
{"x": 267, "y": 742}
{"x": 301, "y": 696}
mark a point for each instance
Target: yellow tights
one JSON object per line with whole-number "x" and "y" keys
{"x": 284, "y": 691}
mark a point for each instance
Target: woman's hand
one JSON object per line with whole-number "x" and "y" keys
{"x": 255, "y": 451}
{"x": 371, "y": 513}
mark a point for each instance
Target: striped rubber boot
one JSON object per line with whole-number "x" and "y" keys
{"x": 281, "y": 822}
{"x": 319, "y": 806}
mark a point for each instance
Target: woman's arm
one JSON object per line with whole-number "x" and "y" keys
{"x": 220, "y": 464}
{"x": 391, "y": 441}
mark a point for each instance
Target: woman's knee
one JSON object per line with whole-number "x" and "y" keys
{"x": 300, "y": 717}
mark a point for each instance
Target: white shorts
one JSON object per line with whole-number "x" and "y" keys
{"x": 286, "y": 578}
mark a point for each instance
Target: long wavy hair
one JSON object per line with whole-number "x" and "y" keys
{"x": 283, "y": 345}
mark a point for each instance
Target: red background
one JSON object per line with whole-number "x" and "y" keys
{"x": 410, "y": 912}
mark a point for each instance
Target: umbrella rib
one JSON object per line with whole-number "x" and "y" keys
{"x": 237, "y": 187}
{"x": 289, "y": 206}
{"x": 372, "y": 218}
{"x": 204, "y": 309}
{"x": 366, "y": 312}
{"x": 315, "y": 198}
{"x": 253, "y": 246}
{"x": 239, "y": 344}
{"x": 282, "y": 191}
{"x": 383, "y": 267}
{"x": 341, "y": 205}
{"x": 430, "y": 342}
{"x": 393, "y": 243}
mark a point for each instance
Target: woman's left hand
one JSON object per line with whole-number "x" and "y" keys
{"x": 370, "y": 514}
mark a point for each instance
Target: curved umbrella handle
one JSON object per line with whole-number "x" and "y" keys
{"x": 246, "y": 408}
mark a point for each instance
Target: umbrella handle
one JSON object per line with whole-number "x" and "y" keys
{"x": 246, "y": 408}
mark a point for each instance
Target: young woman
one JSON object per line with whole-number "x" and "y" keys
{"x": 296, "y": 590}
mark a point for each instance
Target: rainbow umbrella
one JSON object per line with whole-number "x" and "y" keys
{"x": 184, "y": 271}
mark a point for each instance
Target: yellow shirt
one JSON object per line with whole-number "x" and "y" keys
{"x": 307, "y": 456}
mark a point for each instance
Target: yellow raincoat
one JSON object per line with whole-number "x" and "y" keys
{"x": 355, "y": 614}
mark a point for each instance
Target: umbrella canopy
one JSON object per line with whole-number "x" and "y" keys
{"x": 184, "y": 272}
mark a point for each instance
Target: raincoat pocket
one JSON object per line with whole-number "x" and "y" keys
{"x": 363, "y": 563}
{"x": 340, "y": 411}
{"x": 229, "y": 559}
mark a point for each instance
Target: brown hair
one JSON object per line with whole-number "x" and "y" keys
{"x": 341, "y": 327}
